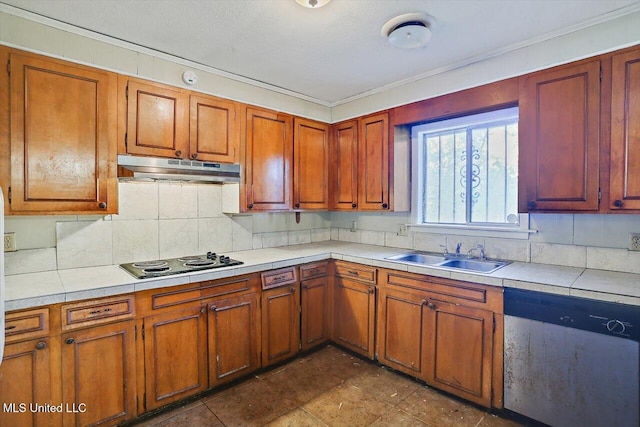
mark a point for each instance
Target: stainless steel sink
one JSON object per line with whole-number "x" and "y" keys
{"x": 449, "y": 263}
{"x": 418, "y": 258}
{"x": 473, "y": 265}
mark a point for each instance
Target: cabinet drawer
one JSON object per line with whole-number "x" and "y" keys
{"x": 28, "y": 324}
{"x": 280, "y": 277}
{"x": 89, "y": 313}
{"x": 217, "y": 288}
{"x": 316, "y": 269}
{"x": 356, "y": 271}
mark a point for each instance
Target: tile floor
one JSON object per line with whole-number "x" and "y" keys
{"x": 328, "y": 388}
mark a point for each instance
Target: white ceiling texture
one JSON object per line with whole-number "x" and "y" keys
{"x": 333, "y": 54}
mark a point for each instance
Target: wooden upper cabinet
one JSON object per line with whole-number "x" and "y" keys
{"x": 344, "y": 166}
{"x": 625, "y": 131}
{"x": 156, "y": 119}
{"x": 310, "y": 164}
{"x": 268, "y": 159}
{"x": 214, "y": 131}
{"x": 62, "y": 137}
{"x": 559, "y": 129}
{"x": 373, "y": 163}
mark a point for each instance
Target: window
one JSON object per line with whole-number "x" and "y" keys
{"x": 467, "y": 170}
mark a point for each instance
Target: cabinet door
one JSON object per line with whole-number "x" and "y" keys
{"x": 373, "y": 163}
{"x": 25, "y": 379}
{"x": 401, "y": 331}
{"x": 458, "y": 350}
{"x": 310, "y": 165}
{"x": 63, "y": 140}
{"x": 280, "y": 324}
{"x": 314, "y": 307}
{"x": 354, "y": 313}
{"x": 175, "y": 353}
{"x": 625, "y": 132}
{"x": 157, "y": 119}
{"x": 98, "y": 375}
{"x": 559, "y": 139}
{"x": 234, "y": 338}
{"x": 344, "y": 166}
{"x": 269, "y": 154}
{"x": 214, "y": 131}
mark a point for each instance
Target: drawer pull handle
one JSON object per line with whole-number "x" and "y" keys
{"x": 355, "y": 273}
{"x": 70, "y": 341}
{"x": 41, "y": 345}
{"x": 8, "y": 328}
{"x": 94, "y": 312}
{"x": 214, "y": 308}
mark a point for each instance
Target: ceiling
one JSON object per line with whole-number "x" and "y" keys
{"x": 333, "y": 54}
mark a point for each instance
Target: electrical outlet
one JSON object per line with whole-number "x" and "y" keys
{"x": 9, "y": 242}
{"x": 403, "y": 231}
{"x": 354, "y": 226}
{"x": 634, "y": 241}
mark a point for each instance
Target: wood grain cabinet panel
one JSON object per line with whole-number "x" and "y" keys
{"x": 156, "y": 118}
{"x": 25, "y": 379}
{"x": 214, "y": 129}
{"x": 401, "y": 330}
{"x": 314, "y": 301}
{"x": 559, "y": 129}
{"x": 344, "y": 166}
{"x": 354, "y": 314}
{"x": 625, "y": 132}
{"x": 268, "y": 161}
{"x": 98, "y": 371}
{"x": 63, "y": 140}
{"x": 233, "y": 337}
{"x": 310, "y": 164}
{"x": 280, "y": 323}
{"x": 458, "y": 351}
{"x": 175, "y": 354}
{"x": 373, "y": 163}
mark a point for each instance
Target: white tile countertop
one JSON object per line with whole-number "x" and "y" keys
{"x": 35, "y": 289}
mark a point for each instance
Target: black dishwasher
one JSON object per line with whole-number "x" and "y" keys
{"x": 570, "y": 361}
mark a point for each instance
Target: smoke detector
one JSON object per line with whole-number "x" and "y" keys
{"x": 409, "y": 31}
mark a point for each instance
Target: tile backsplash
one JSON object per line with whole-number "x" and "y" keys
{"x": 155, "y": 220}
{"x": 165, "y": 219}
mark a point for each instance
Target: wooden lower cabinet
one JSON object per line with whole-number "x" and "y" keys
{"x": 26, "y": 375}
{"x": 280, "y": 323}
{"x": 314, "y": 301}
{"x": 443, "y": 332}
{"x": 458, "y": 351}
{"x": 233, "y": 337}
{"x": 401, "y": 331}
{"x": 175, "y": 355}
{"x": 98, "y": 375}
{"x": 354, "y": 315}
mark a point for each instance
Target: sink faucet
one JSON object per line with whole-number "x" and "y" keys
{"x": 480, "y": 248}
{"x": 458, "y": 246}
{"x": 445, "y": 251}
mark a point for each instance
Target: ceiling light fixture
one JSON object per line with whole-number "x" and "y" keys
{"x": 409, "y": 31}
{"x": 312, "y": 4}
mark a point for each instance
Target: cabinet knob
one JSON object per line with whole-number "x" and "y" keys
{"x": 194, "y": 156}
{"x": 353, "y": 205}
{"x": 178, "y": 153}
{"x": 213, "y": 308}
{"x": 371, "y": 289}
{"x": 423, "y": 302}
{"x": 102, "y": 205}
{"x": 250, "y": 206}
{"x": 618, "y": 203}
{"x": 41, "y": 345}
{"x": 70, "y": 341}
{"x": 385, "y": 206}
{"x": 431, "y": 305}
{"x": 531, "y": 205}
{"x": 292, "y": 290}
{"x": 297, "y": 205}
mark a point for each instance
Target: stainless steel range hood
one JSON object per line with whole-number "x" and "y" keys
{"x": 177, "y": 169}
